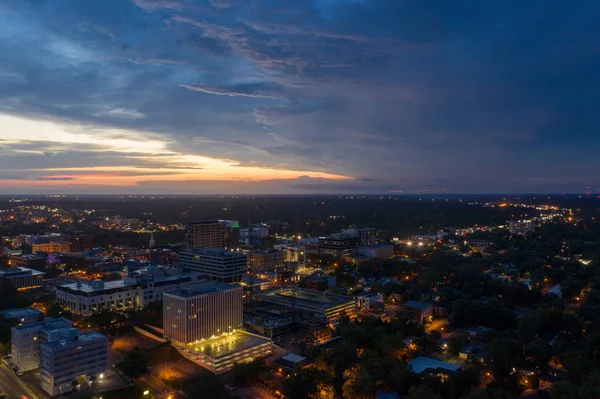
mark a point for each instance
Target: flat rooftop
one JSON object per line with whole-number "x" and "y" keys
{"x": 108, "y": 285}
{"x": 205, "y": 287}
{"x": 17, "y": 271}
{"x": 226, "y": 344}
{"x": 21, "y": 312}
{"x": 313, "y": 296}
{"x": 216, "y": 252}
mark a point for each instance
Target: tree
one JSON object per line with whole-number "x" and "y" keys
{"x": 207, "y": 386}
{"x": 422, "y": 392}
{"x": 243, "y": 373}
{"x": 134, "y": 364}
{"x": 305, "y": 384}
{"x": 491, "y": 393}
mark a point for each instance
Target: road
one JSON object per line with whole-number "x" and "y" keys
{"x": 8, "y": 383}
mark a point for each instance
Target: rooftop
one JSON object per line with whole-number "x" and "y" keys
{"x": 293, "y": 358}
{"x": 314, "y": 296}
{"x": 204, "y": 287}
{"x": 421, "y": 364}
{"x": 107, "y": 285}
{"x": 226, "y": 344}
{"x": 21, "y": 312}
{"x": 217, "y": 252}
{"x": 20, "y": 270}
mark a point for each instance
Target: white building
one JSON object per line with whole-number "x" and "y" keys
{"x": 24, "y": 346}
{"x": 26, "y": 338}
{"x": 23, "y": 278}
{"x": 215, "y": 264}
{"x": 202, "y": 311}
{"x": 521, "y": 227}
{"x": 204, "y": 323}
{"x": 136, "y": 290}
{"x": 67, "y": 355}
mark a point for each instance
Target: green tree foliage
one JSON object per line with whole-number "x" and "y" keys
{"x": 243, "y": 373}
{"x": 134, "y": 364}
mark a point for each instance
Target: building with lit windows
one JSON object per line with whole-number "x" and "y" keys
{"x": 311, "y": 302}
{"x": 23, "y": 315}
{"x": 265, "y": 260}
{"x": 136, "y": 290}
{"x": 204, "y": 323}
{"x": 201, "y": 311}
{"x": 22, "y": 278}
{"x": 215, "y": 264}
{"x": 54, "y": 246}
{"x": 67, "y": 355}
{"x": 204, "y": 234}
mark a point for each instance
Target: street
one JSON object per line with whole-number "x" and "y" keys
{"x": 9, "y": 385}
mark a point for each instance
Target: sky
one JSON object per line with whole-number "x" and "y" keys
{"x": 299, "y": 96}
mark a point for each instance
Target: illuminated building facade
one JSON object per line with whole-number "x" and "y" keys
{"x": 207, "y": 234}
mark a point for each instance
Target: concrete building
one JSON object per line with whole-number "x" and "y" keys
{"x": 26, "y": 338}
{"x": 255, "y": 232}
{"x": 204, "y": 234}
{"x": 339, "y": 244}
{"x": 81, "y": 243}
{"x": 24, "y": 346}
{"x": 368, "y": 236}
{"x": 54, "y": 246}
{"x": 265, "y": 260}
{"x": 136, "y": 290}
{"x": 320, "y": 283}
{"x": 314, "y": 303}
{"x": 30, "y": 261}
{"x": 23, "y": 315}
{"x": 201, "y": 311}
{"x": 376, "y": 251}
{"x": 418, "y": 310}
{"x": 67, "y": 355}
{"x": 22, "y": 278}
{"x": 163, "y": 256}
{"x": 215, "y": 264}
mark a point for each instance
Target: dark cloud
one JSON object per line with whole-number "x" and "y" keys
{"x": 481, "y": 96}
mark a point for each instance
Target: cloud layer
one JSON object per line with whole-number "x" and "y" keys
{"x": 299, "y": 96}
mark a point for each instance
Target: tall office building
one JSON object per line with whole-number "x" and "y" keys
{"x": 215, "y": 264}
{"x": 204, "y": 234}
{"x": 202, "y": 311}
{"x": 265, "y": 260}
{"x": 204, "y": 323}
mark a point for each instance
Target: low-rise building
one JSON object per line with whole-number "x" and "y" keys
{"x": 23, "y": 315}
{"x": 136, "y": 290}
{"x": 376, "y": 251}
{"x": 418, "y": 310}
{"x": 427, "y": 365}
{"x": 331, "y": 307}
{"x": 31, "y": 261}
{"x": 22, "y": 278}
{"x": 265, "y": 260}
{"x": 54, "y": 246}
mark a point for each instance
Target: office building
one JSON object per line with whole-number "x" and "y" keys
{"x": 255, "y": 232}
{"x": 30, "y": 261}
{"x": 26, "y": 338}
{"x": 67, "y": 355}
{"x": 204, "y": 234}
{"x": 312, "y": 303}
{"x": 22, "y": 278}
{"x": 339, "y": 244}
{"x": 53, "y": 246}
{"x": 80, "y": 243}
{"x": 215, "y": 264}
{"x": 204, "y": 323}
{"x": 265, "y": 260}
{"x": 230, "y": 231}
{"x": 137, "y": 289}
{"x": 201, "y": 311}
{"x": 23, "y": 315}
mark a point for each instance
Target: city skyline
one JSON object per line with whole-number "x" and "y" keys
{"x": 298, "y": 97}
